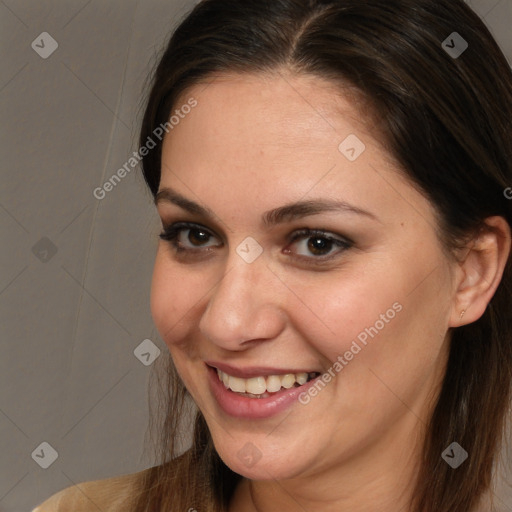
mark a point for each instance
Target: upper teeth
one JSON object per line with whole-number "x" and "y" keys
{"x": 260, "y": 385}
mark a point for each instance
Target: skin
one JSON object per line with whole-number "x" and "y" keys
{"x": 258, "y": 142}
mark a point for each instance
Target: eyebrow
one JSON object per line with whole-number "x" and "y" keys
{"x": 286, "y": 213}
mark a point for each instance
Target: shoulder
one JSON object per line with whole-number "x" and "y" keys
{"x": 108, "y": 495}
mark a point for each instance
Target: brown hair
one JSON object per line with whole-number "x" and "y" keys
{"x": 446, "y": 120}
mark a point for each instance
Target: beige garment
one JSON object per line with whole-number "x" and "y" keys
{"x": 115, "y": 495}
{"x": 108, "y": 495}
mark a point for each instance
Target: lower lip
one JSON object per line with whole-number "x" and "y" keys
{"x": 239, "y": 406}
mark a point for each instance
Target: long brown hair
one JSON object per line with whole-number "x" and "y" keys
{"x": 446, "y": 119}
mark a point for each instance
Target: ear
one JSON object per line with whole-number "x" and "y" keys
{"x": 479, "y": 273}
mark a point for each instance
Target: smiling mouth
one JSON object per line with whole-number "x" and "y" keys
{"x": 264, "y": 386}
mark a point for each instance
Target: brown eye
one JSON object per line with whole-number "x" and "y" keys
{"x": 192, "y": 237}
{"x": 196, "y": 237}
{"x": 318, "y": 244}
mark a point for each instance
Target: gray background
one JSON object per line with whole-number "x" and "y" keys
{"x": 70, "y": 321}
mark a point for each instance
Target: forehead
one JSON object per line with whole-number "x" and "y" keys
{"x": 260, "y": 121}
{"x": 278, "y": 112}
{"x": 263, "y": 136}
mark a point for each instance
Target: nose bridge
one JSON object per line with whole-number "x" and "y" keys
{"x": 243, "y": 306}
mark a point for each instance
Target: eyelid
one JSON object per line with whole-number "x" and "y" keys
{"x": 321, "y": 233}
{"x": 171, "y": 231}
{"x": 340, "y": 242}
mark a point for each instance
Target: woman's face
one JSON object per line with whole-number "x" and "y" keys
{"x": 302, "y": 253}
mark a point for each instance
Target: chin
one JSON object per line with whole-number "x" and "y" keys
{"x": 269, "y": 470}
{"x": 265, "y": 463}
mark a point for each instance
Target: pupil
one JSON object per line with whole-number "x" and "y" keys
{"x": 198, "y": 237}
{"x": 319, "y": 245}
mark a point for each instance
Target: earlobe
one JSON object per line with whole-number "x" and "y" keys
{"x": 481, "y": 271}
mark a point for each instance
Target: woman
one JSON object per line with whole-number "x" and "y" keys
{"x": 334, "y": 276}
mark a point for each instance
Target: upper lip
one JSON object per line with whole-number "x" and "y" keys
{"x": 253, "y": 371}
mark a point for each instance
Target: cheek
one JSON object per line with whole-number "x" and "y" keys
{"x": 162, "y": 305}
{"x": 172, "y": 309}
{"x": 377, "y": 319}
{"x": 172, "y": 300}
{"x": 402, "y": 364}
{"x": 336, "y": 311}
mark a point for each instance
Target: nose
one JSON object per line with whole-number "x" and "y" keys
{"x": 245, "y": 307}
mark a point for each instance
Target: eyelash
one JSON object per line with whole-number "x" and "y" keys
{"x": 171, "y": 232}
